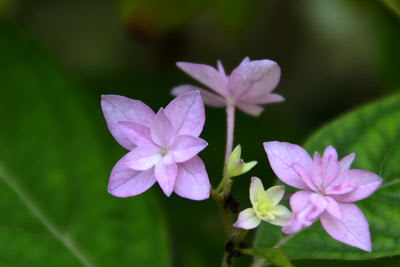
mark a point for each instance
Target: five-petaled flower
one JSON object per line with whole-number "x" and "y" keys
{"x": 265, "y": 207}
{"x": 329, "y": 189}
{"x": 163, "y": 146}
{"x": 247, "y": 87}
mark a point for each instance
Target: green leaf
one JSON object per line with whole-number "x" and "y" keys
{"x": 274, "y": 256}
{"x": 394, "y": 5}
{"x": 373, "y": 132}
{"x": 54, "y": 168}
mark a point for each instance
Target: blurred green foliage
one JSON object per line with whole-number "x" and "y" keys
{"x": 54, "y": 205}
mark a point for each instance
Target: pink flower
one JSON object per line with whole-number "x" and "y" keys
{"x": 248, "y": 86}
{"x": 163, "y": 146}
{"x": 329, "y": 189}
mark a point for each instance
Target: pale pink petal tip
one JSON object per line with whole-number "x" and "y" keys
{"x": 247, "y": 220}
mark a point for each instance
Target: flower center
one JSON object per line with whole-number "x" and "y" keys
{"x": 264, "y": 208}
{"x": 164, "y": 151}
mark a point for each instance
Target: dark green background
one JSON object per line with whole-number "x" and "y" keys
{"x": 334, "y": 55}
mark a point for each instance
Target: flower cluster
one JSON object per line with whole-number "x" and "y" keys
{"x": 247, "y": 87}
{"x": 163, "y": 146}
{"x": 328, "y": 190}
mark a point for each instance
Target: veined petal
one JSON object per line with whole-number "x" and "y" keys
{"x": 366, "y": 183}
{"x": 256, "y": 190}
{"x": 143, "y": 157}
{"x": 247, "y": 219}
{"x": 207, "y": 75}
{"x": 125, "y": 182}
{"x": 282, "y": 156}
{"x": 253, "y": 78}
{"x": 209, "y": 98}
{"x": 186, "y": 113}
{"x": 192, "y": 180}
{"x": 136, "y": 133}
{"x": 251, "y": 109}
{"x": 346, "y": 162}
{"x": 186, "y": 147}
{"x": 166, "y": 172}
{"x": 275, "y": 193}
{"x": 352, "y": 230}
{"x": 118, "y": 108}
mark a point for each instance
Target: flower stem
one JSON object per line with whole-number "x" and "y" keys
{"x": 230, "y": 125}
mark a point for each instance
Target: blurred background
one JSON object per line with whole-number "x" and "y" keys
{"x": 58, "y": 57}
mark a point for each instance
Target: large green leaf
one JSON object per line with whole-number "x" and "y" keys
{"x": 55, "y": 210}
{"x": 373, "y": 132}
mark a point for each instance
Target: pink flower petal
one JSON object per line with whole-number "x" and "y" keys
{"x": 352, "y": 230}
{"x": 305, "y": 176}
{"x": 162, "y": 131}
{"x": 206, "y": 75}
{"x": 136, "y": 133}
{"x": 333, "y": 208}
{"x": 262, "y": 98}
{"x": 186, "y": 147}
{"x": 251, "y": 109}
{"x": 166, "y": 172}
{"x": 306, "y": 207}
{"x": 282, "y": 156}
{"x": 125, "y": 182}
{"x": 221, "y": 68}
{"x": 366, "y": 183}
{"x": 247, "y": 219}
{"x": 253, "y": 78}
{"x": 118, "y": 108}
{"x": 143, "y": 157}
{"x": 186, "y": 113}
{"x": 209, "y": 98}
{"x": 346, "y": 162}
{"x": 192, "y": 180}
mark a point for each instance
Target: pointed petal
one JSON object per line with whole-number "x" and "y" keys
{"x": 352, "y": 230}
{"x": 254, "y": 78}
{"x": 143, "y": 157}
{"x": 366, "y": 183}
{"x": 125, "y": 182}
{"x": 186, "y": 113}
{"x": 282, "y": 156}
{"x": 346, "y": 162}
{"x": 262, "y": 99}
{"x": 186, "y": 147}
{"x": 247, "y": 219}
{"x": 207, "y": 75}
{"x": 192, "y": 180}
{"x": 162, "y": 131}
{"x": 282, "y": 216}
{"x": 275, "y": 193}
{"x": 118, "y": 108}
{"x": 245, "y": 61}
{"x": 330, "y": 152}
{"x": 251, "y": 109}
{"x": 136, "y": 133}
{"x": 333, "y": 208}
{"x": 209, "y": 98}
{"x": 256, "y": 190}
{"x": 166, "y": 172}
{"x": 221, "y": 68}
